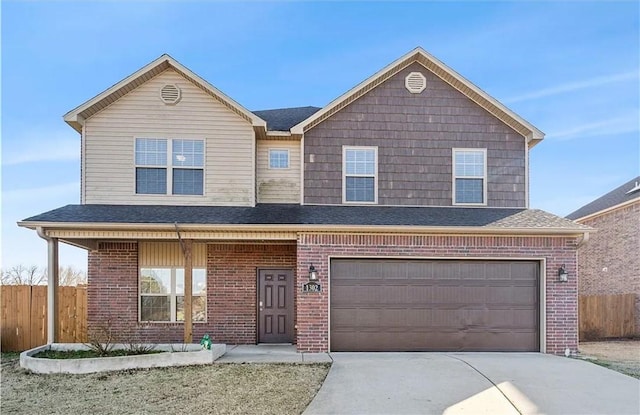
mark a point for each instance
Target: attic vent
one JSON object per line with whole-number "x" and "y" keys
{"x": 170, "y": 94}
{"x": 415, "y": 82}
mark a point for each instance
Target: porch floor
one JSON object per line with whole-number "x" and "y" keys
{"x": 270, "y": 353}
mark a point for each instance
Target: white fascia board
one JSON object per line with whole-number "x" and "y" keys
{"x": 255, "y": 120}
{"x": 607, "y": 210}
{"x": 535, "y": 136}
{"x": 73, "y": 115}
{"x": 311, "y": 228}
{"x": 299, "y": 128}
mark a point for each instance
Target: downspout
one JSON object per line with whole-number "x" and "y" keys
{"x": 52, "y": 285}
{"x": 583, "y": 240}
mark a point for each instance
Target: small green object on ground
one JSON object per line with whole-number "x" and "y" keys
{"x": 206, "y": 342}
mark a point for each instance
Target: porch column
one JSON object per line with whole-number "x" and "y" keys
{"x": 52, "y": 291}
{"x": 188, "y": 283}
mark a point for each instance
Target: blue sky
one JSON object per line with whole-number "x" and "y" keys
{"x": 570, "y": 68}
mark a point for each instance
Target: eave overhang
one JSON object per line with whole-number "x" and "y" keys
{"x": 532, "y": 134}
{"x": 607, "y": 210}
{"x": 77, "y": 116}
{"x": 88, "y": 235}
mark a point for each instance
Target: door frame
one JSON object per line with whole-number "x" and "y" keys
{"x": 293, "y": 300}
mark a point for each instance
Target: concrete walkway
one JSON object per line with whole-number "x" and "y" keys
{"x": 472, "y": 383}
{"x": 270, "y": 353}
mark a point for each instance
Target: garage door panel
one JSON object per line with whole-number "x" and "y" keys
{"x": 439, "y": 341}
{"x": 523, "y": 270}
{"x": 434, "y": 305}
{"x": 514, "y": 296}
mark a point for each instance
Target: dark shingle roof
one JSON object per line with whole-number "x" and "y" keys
{"x": 292, "y": 214}
{"x": 284, "y": 118}
{"x": 615, "y": 197}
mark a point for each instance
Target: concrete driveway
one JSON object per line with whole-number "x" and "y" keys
{"x": 472, "y": 383}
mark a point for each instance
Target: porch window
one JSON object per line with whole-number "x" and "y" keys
{"x": 469, "y": 176}
{"x": 162, "y": 294}
{"x": 181, "y": 170}
{"x": 360, "y": 174}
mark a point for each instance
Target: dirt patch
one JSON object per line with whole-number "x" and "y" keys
{"x": 215, "y": 389}
{"x": 620, "y": 355}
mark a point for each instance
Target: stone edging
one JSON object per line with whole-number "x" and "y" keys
{"x": 173, "y": 355}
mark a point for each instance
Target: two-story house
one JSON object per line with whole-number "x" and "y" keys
{"x": 394, "y": 218}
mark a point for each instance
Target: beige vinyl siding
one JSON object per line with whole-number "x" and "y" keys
{"x": 109, "y": 174}
{"x": 278, "y": 185}
{"x": 169, "y": 254}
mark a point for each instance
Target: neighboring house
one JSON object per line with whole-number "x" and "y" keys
{"x": 610, "y": 262}
{"x": 407, "y": 198}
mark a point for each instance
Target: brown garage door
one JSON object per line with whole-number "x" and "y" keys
{"x": 434, "y": 305}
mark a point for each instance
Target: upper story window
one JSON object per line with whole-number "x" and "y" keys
{"x": 162, "y": 294}
{"x": 180, "y": 172}
{"x": 360, "y": 174}
{"x": 278, "y": 159}
{"x": 469, "y": 176}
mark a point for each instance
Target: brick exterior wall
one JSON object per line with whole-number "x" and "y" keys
{"x": 232, "y": 283}
{"x": 609, "y": 262}
{"x": 112, "y": 293}
{"x": 561, "y": 298}
{"x": 232, "y": 290}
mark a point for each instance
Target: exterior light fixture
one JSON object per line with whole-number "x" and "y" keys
{"x": 563, "y": 275}
{"x": 313, "y": 275}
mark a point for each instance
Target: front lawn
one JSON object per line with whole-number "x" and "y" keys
{"x": 211, "y": 389}
{"x": 620, "y": 355}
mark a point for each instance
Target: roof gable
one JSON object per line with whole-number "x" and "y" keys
{"x": 441, "y": 70}
{"x": 75, "y": 118}
{"x": 628, "y": 192}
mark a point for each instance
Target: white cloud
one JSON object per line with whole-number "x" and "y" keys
{"x": 617, "y": 125}
{"x": 37, "y": 147}
{"x": 575, "y": 86}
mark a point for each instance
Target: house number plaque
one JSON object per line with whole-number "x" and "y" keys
{"x": 311, "y": 287}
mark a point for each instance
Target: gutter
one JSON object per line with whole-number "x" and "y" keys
{"x": 583, "y": 240}
{"x": 305, "y": 228}
{"x": 606, "y": 210}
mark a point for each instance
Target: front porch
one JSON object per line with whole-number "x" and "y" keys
{"x": 232, "y": 312}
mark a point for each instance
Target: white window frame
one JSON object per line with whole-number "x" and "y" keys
{"x": 169, "y": 166}
{"x": 172, "y": 294}
{"x": 345, "y": 175}
{"x": 286, "y": 150}
{"x": 137, "y": 166}
{"x": 454, "y": 176}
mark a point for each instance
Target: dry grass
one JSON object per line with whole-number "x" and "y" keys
{"x": 620, "y": 355}
{"x": 211, "y": 389}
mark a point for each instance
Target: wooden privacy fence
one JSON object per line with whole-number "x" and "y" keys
{"x": 606, "y": 316}
{"x": 24, "y": 316}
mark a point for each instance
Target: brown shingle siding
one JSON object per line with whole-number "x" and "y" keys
{"x": 414, "y": 134}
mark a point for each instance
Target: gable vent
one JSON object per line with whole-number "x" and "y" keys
{"x": 170, "y": 94}
{"x": 415, "y": 82}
